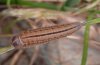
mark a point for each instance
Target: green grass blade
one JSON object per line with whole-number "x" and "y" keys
{"x": 85, "y": 47}
{"x": 70, "y": 3}
{"x": 37, "y": 4}
{"x": 5, "y": 49}
{"x": 97, "y": 20}
{"x": 30, "y": 4}
{"x": 8, "y": 3}
{"x": 86, "y": 40}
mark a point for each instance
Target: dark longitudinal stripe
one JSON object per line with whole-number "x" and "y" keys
{"x": 52, "y": 33}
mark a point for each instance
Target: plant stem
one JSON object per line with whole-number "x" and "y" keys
{"x": 85, "y": 47}
{"x": 8, "y": 4}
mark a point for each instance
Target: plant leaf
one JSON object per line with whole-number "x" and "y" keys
{"x": 37, "y": 4}
{"x": 5, "y": 49}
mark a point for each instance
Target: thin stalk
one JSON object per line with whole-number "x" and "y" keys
{"x": 6, "y": 49}
{"x": 86, "y": 39}
{"x": 8, "y": 3}
{"x": 85, "y": 47}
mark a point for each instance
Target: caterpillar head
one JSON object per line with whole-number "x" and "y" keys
{"x": 16, "y": 42}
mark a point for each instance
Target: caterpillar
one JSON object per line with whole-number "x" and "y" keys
{"x": 42, "y": 35}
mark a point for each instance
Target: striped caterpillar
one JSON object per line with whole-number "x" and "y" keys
{"x": 42, "y": 35}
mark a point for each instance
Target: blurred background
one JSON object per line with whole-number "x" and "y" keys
{"x": 64, "y": 51}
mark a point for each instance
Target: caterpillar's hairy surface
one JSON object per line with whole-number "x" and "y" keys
{"x": 42, "y": 35}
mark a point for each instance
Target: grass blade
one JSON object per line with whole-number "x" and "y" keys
{"x": 5, "y": 49}
{"x": 85, "y": 47}
{"x": 70, "y": 3}
{"x": 86, "y": 40}
{"x": 8, "y": 4}
{"x": 37, "y": 4}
